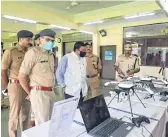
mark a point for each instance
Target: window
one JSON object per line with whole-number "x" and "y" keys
{"x": 150, "y": 42}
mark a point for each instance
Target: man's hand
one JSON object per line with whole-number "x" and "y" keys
{"x": 28, "y": 97}
{"x": 130, "y": 72}
{"x": 4, "y": 80}
{"x": 119, "y": 71}
{"x": 63, "y": 90}
{"x": 4, "y": 86}
{"x": 24, "y": 83}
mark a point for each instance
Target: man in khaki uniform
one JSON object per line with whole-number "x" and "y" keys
{"x": 12, "y": 59}
{"x": 38, "y": 64}
{"x": 127, "y": 64}
{"x": 93, "y": 69}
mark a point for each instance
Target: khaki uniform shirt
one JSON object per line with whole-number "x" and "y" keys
{"x": 38, "y": 64}
{"x": 93, "y": 65}
{"x": 126, "y": 64}
{"x": 12, "y": 60}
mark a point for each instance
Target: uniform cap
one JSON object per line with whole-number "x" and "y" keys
{"x": 47, "y": 32}
{"x": 24, "y": 34}
{"x": 88, "y": 43}
{"x": 36, "y": 36}
{"x": 128, "y": 47}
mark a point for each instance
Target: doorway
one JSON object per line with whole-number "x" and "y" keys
{"x": 108, "y": 58}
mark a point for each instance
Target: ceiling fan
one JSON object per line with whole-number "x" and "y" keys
{"x": 75, "y": 3}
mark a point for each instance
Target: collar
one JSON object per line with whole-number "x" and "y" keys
{"x": 41, "y": 49}
{"x": 129, "y": 56}
{"x": 73, "y": 53}
{"x": 19, "y": 48}
{"x": 90, "y": 56}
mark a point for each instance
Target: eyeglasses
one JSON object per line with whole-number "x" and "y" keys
{"x": 28, "y": 39}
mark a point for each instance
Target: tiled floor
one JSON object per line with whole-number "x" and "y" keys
{"x": 5, "y": 115}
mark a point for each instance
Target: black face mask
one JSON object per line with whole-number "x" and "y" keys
{"x": 82, "y": 54}
{"x": 30, "y": 44}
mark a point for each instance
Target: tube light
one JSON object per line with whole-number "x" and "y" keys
{"x": 19, "y": 19}
{"x": 94, "y": 22}
{"x": 86, "y": 32}
{"x": 60, "y": 27}
{"x": 146, "y": 14}
{"x": 140, "y": 15}
{"x": 131, "y": 34}
{"x": 131, "y": 16}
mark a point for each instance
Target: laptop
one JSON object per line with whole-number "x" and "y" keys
{"x": 98, "y": 122}
{"x": 62, "y": 117}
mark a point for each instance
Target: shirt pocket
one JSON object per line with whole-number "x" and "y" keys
{"x": 121, "y": 64}
{"x": 44, "y": 67}
{"x": 17, "y": 61}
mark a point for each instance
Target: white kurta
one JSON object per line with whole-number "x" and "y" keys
{"x": 75, "y": 75}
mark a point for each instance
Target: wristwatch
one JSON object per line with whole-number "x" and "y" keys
{"x": 87, "y": 76}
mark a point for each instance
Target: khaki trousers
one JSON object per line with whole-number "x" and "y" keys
{"x": 93, "y": 85}
{"x": 42, "y": 105}
{"x": 19, "y": 109}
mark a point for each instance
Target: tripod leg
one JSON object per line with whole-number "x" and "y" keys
{"x": 140, "y": 100}
{"x": 130, "y": 104}
{"x": 118, "y": 98}
{"x": 112, "y": 99}
{"x": 153, "y": 98}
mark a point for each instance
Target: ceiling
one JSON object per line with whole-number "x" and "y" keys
{"x": 55, "y": 12}
{"x": 83, "y": 6}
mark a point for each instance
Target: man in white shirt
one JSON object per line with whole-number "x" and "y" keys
{"x": 71, "y": 72}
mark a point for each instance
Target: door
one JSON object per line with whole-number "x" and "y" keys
{"x": 108, "y": 57}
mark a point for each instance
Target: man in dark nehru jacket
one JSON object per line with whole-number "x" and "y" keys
{"x": 11, "y": 61}
{"x": 38, "y": 64}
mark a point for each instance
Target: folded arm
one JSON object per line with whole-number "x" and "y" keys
{"x": 25, "y": 69}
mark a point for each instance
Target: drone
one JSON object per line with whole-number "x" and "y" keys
{"x": 147, "y": 84}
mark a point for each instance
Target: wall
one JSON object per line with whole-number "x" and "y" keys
{"x": 115, "y": 37}
{"x": 7, "y": 45}
{"x": 69, "y": 47}
{"x": 152, "y": 71}
{"x": 59, "y": 45}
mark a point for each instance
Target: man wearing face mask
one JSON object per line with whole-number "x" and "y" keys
{"x": 38, "y": 64}
{"x": 127, "y": 64}
{"x": 11, "y": 62}
{"x": 71, "y": 73}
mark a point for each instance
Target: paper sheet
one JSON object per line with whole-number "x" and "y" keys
{"x": 62, "y": 118}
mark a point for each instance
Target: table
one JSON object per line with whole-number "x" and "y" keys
{"x": 149, "y": 101}
{"x": 156, "y": 114}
